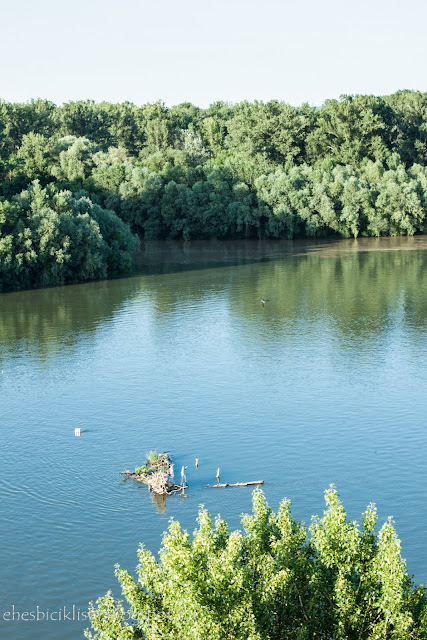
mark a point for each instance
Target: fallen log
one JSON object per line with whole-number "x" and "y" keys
{"x": 178, "y": 487}
{"x": 236, "y": 484}
{"x": 135, "y": 476}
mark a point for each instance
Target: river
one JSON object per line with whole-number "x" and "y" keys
{"x": 324, "y": 383}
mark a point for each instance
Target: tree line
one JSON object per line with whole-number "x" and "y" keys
{"x": 82, "y": 182}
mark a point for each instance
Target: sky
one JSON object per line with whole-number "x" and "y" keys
{"x": 200, "y": 52}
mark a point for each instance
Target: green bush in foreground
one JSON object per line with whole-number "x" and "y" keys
{"x": 278, "y": 580}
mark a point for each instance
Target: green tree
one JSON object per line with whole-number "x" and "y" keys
{"x": 355, "y": 166}
{"x": 273, "y": 581}
{"x": 23, "y": 118}
{"x": 34, "y": 154}
{"x": 351, "y": 129}
{"x": 84, "y": 119}
{"x": 49, "y": 238}
{"x": 74, "y": 160}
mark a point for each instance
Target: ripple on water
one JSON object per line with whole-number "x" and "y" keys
{"x": 324, "y": 384}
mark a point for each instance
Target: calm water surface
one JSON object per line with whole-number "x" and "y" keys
{"x": 324, "y": 384}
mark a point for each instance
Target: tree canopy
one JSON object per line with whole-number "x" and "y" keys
{"x": 356, "y": 166}
{"x": 276, "y": 580}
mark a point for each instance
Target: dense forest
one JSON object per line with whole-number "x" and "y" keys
{"x": 276, "y": 580}
{"x": 81, "y": 183}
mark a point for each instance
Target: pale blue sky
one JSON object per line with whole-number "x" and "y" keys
{"x": 190, "y": 50}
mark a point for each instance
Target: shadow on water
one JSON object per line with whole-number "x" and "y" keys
{"x": 358, "y": 284}
{"x": 172, "y": 256}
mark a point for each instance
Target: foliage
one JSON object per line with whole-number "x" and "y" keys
{"x": 152, "y": 456}
{"x": 49, "y": 238}
{"x": 356, "y": 166}
{"x": 276, "y": 580}
{"x": 141, "y": 470}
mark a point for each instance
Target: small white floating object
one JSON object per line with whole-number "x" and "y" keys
{"x": 77, "y": 431}
{"x": 197, "y": 462}
{"x": 217, "y": 473}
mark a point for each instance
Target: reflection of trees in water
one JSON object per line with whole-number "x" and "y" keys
{"x": 48, "y": 319}
{"x": 358, "y": 292}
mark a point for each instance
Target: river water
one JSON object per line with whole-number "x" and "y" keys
{"x": 325, "y": 383}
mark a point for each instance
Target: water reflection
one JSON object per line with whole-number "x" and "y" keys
{"x": 359, "y": 286}
{"x": 46, "y": 320}
{"x": 160, "y": 502}
{"x": 324, "y": 383}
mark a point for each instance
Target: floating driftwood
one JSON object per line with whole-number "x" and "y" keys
{"x": 157, "y": 474}
{"x": 236, "y": 484}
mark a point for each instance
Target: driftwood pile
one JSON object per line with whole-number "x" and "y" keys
{"x": 157, "y": 474}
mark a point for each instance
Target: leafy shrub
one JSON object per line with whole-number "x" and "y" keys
{"x": 278, "y": 580}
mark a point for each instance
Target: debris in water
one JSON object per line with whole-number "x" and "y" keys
{"x": 158, "y": 474}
